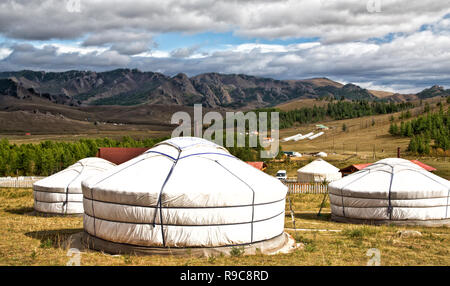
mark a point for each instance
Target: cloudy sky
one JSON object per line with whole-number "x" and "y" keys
{"x": 394, "y": 45}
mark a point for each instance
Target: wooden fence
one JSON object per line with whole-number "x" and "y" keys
{"x": 305, "y": 188}
{"x": 18, "y": 182}
{"x": 291, "y": 180}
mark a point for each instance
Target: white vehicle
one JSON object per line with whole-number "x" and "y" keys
{"x": 281, "y": 175}
{"x": 296, "y": 154}
{"x": 292, "y": 154}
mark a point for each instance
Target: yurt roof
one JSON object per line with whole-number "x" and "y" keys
{"x": 189, "y": 171}
{"x": 80, "y": 170}
{"x": 321, "y": 154}
{"x": 394, "y": 175}
{"x": 318, "y": 166}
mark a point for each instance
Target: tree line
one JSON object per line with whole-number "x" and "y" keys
{"x": 49, "y": 157}
{"x": 423, "y": 129}
{"x": 336, "y": 111}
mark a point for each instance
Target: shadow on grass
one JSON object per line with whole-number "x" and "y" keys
{"x": 53, "y": 238}
{"x": 313, "y": 216}
{"x": 20, "y": 211}
{"x": 30, "y": 211}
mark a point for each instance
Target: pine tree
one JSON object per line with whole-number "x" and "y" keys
{"x": 412, "y": 147}
{"x": 402, "y": 128}
{"x": 408, "y": 130}
{"x": 408, "y": 114}
{"x": 391, "y": 129}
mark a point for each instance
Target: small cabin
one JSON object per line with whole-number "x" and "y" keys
{"x": 358, "y": 167}
{"x": 119, "y": 155}
{"x": 258, "y": 165}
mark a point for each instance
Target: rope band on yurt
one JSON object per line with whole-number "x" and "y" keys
{"x": 253, "y": 197}
{"x": 65, "y": 203}
{"x": 188, "y": 146}
{"x": 389, "y": 195}
{"x": 115, "y": 173}
{"x": 190, "y": 155}
{"x": 93, "y": 212}
{"x": 342, "y": 199}
{"x": 446, "y": 209}
{"x": 342, "y": 193}
{"x": 424, "y": 174}
{"x": 159, "y": 202}
{"x": 192, "y": 225}
{"x": 185, "y": 207}
{"x": 390, "y": 208}
{"x": 207, "y": 153}
{"x": 91, "y": 188}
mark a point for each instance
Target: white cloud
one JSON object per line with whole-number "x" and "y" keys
{"x": 271, "y": 48}
{"x": 332, "y": 21}
{"x": 127, "y": 42}
{"x": 261, "y": 48}
{"x": 4, "y": 52}
{"x": 154, "y": 54}
{"x": 73, "y": 48}
{"x": 374, "y": 86}
{"x": 402, "y": 48}
{"x": 407, "y": 63}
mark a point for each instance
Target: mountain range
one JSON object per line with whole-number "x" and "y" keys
{"x": 83, "y": 101}
{"x": 129, "y": 87}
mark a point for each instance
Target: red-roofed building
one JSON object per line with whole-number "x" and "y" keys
{"x": 258, "y": 165}
{"x": 353, "y": 168}
{"x": 423, "y": 165}
{"x": 357, "y": 167}
{"x": 119, "y": 155}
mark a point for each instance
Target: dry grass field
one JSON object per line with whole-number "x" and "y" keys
{"x": 32, "y": 240}
{"x": 112, "y": 134}
{"x": 360, "y": 137}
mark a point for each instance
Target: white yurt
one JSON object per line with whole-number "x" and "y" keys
{"x": 184, "y": 193}
{"x": 322, "y": 154}
{"x": 391, "y": 191}
{"x": 318, "y": 171}
{"x": 61, "y": 193}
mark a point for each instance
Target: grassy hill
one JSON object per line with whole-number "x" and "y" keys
{"x": 366, "y": 139}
